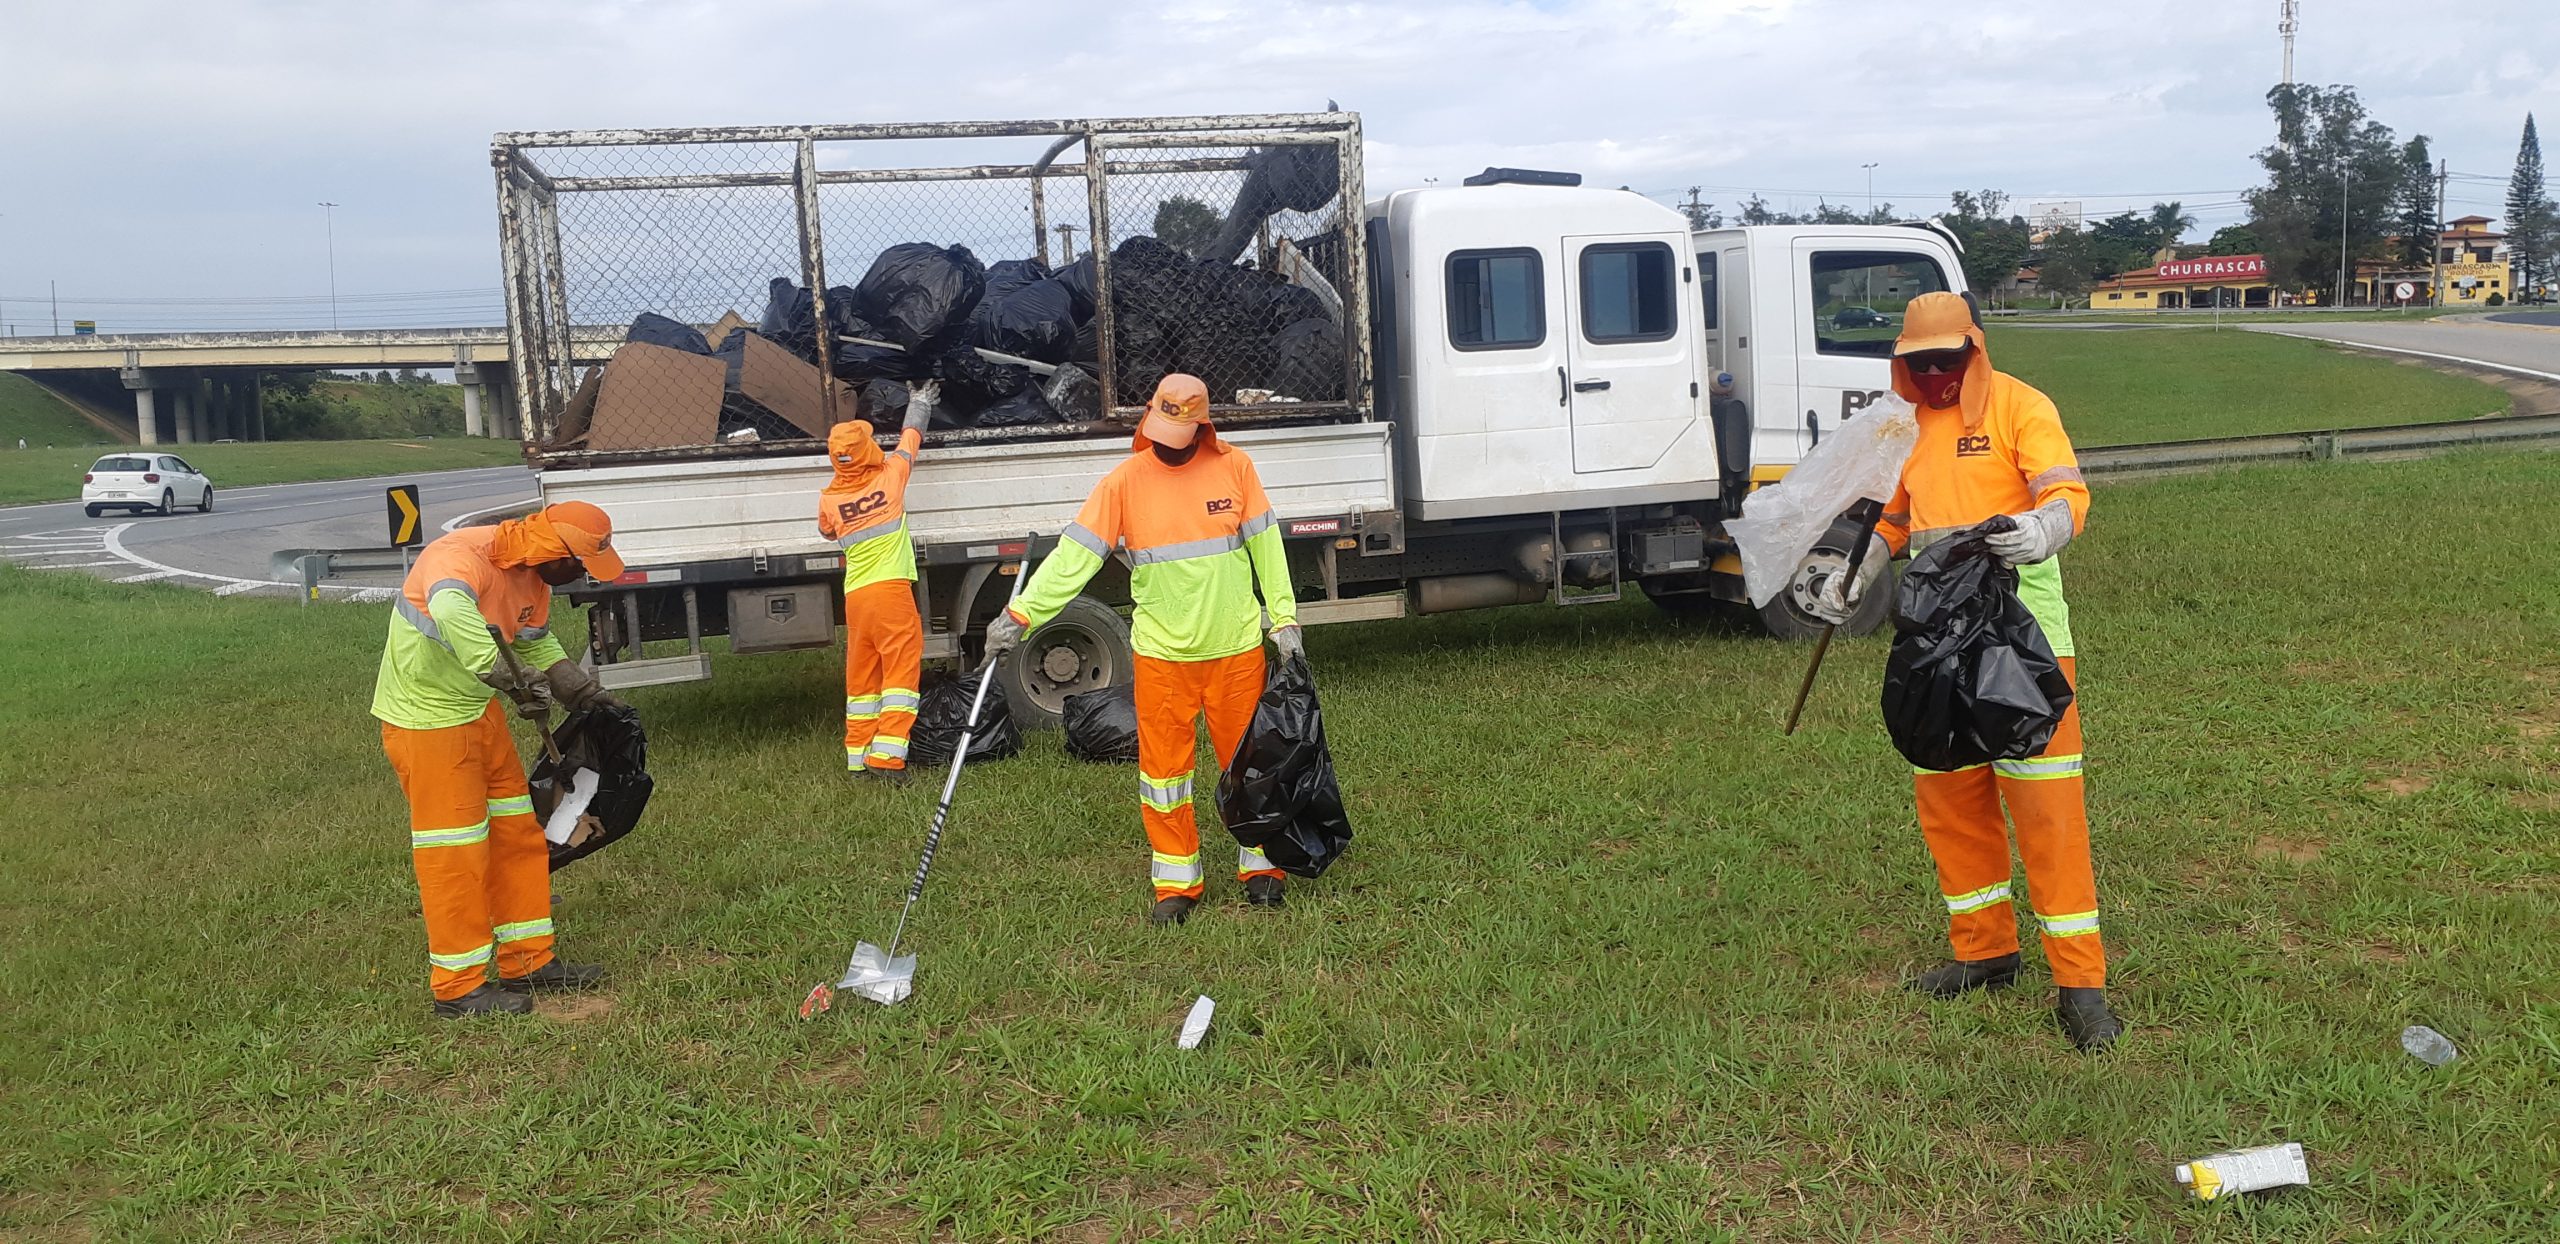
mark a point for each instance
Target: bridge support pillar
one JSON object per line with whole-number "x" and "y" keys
{"x": 257, "y": 408}
{"x": 203, "y": 390}
{"x": 184, "y": 414}
{"x": 146, "y": 416}
{"x": 468, "y": 376}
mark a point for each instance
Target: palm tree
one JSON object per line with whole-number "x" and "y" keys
{"x": 2170, "y": 221}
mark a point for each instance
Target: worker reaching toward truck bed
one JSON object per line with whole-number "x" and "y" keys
{"x": 1187, "y": 512}
{"x": 864, "y": 510}
{"x": 1992, "y": 445}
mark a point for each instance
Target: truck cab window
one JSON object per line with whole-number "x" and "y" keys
{"x": 1858, "y": 297}
{"x": 1627, "y": 292}
{"x": 1497, "y": 300}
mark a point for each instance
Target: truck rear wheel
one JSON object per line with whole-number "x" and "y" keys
{"x": 1787, "y": 618}
{"x": 1084, "y": 648}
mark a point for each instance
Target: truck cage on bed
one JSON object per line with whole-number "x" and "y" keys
{"x": 1228, "y": 246}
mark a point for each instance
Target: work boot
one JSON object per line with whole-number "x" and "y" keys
{"x": 2086, "y": 1019}
{"x": 1954, "y": 977}
{"x": 894, "y": 779}
{"x": 1171, "y": 910}
{"x": 555, "y": 976}
{"x": 1264, "y": 891}
{"x": 486, "y": 1000}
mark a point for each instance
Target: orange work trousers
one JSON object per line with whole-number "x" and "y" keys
{"x": 484, "y": 871}
{"x": 883, "y": 660}
{"x": 1172, "y": 697}
{"x": 1960, "y": 814}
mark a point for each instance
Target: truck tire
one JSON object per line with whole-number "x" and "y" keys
{"x": 1786, "y": 618}
{"x": 1084, "y": 648}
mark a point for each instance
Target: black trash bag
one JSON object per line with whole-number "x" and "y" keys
{"x": 857, "y": 363}
{"x": 1078, "y": 279}
{"x": 785, "y": 304}
{"x": 1971, "y": 678}
{"x": 1036, "y": 321}
{"x": 1102, "y": 726}
{"x": 1029, "y": 408}
{"x": 944, "y": 715}
{"x": 651, "y": 328}
{"x": 916, "y": 291}
{"x": 607, "y": 740}
{"x": 732, "y": 351}
{"x": 1307, "y": 361}
{"x": 1073, "y": 394}
{"x": 1007, "y": 275}
{"x": 1278, "y": 793}
{"x": 1292, "y": 178}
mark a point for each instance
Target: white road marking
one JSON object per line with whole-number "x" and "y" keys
{"x": 115, "y": 545}
{"x": 148, "y": 576}
{"x": 455, "y": 523}
{"x": 234, "y": 589}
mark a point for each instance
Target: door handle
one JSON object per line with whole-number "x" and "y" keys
{"x": 1562, "y": 395}
{"x": 1813, "y": 424}
{"x": 1588, "y": 386}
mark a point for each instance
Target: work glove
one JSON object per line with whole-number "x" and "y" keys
{"x": 532, "y": 697}
{"x": 921, "y": 400}
{"x": 1837, "y": 599}
{"x": 2040, "y": 533}
{"x": 576, "y": 687}
{"x": 1002, "y": 635}
{"x": 1290, "y": 643}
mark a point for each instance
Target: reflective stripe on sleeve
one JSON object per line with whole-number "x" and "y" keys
{"x": 512, "y": 805}
{"x": 421, "y": 839}
{"x": 1177, "y": 870}
{"x": 465, "y": 961}
{"x": 1258, "y": 524}
{"x": 2038, "y": 768}
{"x": 1987, "y": 896}
{"x": 1164, "y": 794}
{"x": 418, "y": 620}
{"x": 523, "y": 929}
{"x": 532, "y": 633}
{"x": 2078, "y": 924}
{"x": 2057, "y": 475}
{"x": 1078, "y": 533}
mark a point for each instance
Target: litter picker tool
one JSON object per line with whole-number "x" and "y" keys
{"x": 884, "y": 976}
{"x": 1865, "y": 514}
{"x": 507, "y": 652}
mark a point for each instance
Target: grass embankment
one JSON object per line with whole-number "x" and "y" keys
{"x": 54, "y": 475}
{"x": 2135, "y": 387}
{"x": 29, "y": 413}
{"x": 1610, "y": 960}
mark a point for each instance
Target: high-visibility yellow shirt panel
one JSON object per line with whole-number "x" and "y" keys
{"x": 439, "y": 642}
{"x": 868, "y": 519}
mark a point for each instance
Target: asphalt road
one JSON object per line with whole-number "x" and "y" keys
{"x": 226, "y": 552}
{"x": 2483, "y": 339}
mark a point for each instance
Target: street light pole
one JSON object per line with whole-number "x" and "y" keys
{"x": 2342, "y": 235}
{"x": 329, "y": 223}
{"x": 1871, "y": 191}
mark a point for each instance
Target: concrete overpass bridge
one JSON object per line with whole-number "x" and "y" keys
{"x": 181, "y": 388}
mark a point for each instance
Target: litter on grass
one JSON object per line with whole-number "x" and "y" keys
{"x": 2244, "y": 1170}
{"x": 1195, "y": 1026}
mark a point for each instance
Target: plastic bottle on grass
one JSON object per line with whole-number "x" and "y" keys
{"x": 2427, "y": 1045}
{"x": 2243, "y": 1170}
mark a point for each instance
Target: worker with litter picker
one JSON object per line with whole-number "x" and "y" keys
{"x": 1993, "y": 447}
{"x": 863, "y": 509}
{"x": 1188, "y": 512}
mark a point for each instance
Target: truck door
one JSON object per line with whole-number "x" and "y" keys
{"x": 1631, "y": 376}
{"x": 1849, "y": 298}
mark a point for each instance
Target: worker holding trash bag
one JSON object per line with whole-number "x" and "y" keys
{"x": 864, "y": 510}
{"x": 1991, "y": 446}
{"x": 472, "y": 622}
{"x": 1187, "y": 512}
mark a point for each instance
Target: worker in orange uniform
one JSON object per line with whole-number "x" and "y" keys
{"x": 864, "y": 510}
{"x": 1187, "y": 513}
{"x": 1991, "y": 445}
{"x": 484, "y": 871}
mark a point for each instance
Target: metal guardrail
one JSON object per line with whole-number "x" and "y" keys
{"x": 2397, "y": 440}
{"x": 311, "y": 566}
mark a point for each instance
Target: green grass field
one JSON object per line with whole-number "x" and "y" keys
{"x": 1610, "y": 960}
{"x": 40, "y": 418}
{"x": 2134, "y": 387}
{"x": 54, "y": 475}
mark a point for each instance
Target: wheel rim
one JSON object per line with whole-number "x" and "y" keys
{"x": 1819, "y": 566}
{"x": 1064, "y": 660}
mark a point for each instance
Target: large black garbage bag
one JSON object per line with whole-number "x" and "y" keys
{"x": 858, "y": 363}
{"x": 1278, "y": 793}
{"x": 1026, "y": 409}
{"x": 1036, "y": 321}
{"x": 1078, "y": 279}
{"x": 1971, "y": 678}
{"x": 1277, "y": 179}
{"x": 1102, "y": 726}
{"x": 605, "y": 741}
{"x": 915, "y": 291}
{"x": 1307, "y": 361}
{"x": 944, "y": 715}
{"x": 651, "y": 328}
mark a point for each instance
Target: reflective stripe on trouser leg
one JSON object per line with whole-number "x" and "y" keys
{"x": 519, "y": 870}
{"x": 1253, "y": 863}
{"x": 1229, "y": 693}
{"x": 2051, "y": 812}
{"x": 880, "y": 619}
{"x": 1969, "y": 842}
{"x": 440, "y": 774}
{"x": 1168, "y": 739}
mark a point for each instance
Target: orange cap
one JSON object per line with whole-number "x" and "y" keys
{"x": 589, "y": 536}
{"x": 853, "y": 448}
{"x": 1937, "y": 321}
{"x": 1177, "y": 412}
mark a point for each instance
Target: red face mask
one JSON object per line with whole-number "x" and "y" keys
{"x": 1939, "y": 389}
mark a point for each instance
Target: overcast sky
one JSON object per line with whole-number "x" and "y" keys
{"x": 165, "y": 161}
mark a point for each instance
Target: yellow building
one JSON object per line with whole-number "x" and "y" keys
{"x": 2178, "y": 284}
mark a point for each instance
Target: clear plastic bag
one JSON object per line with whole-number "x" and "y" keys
{"x": 1859, "y": 460}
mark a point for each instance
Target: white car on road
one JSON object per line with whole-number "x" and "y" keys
{"x": 144, "y": 481}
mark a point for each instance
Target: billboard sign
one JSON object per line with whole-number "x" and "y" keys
{"x": 2216, "y": 268}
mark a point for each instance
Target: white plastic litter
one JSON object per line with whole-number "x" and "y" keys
{"x": 2244, "y": 1170}
{"x": 876, "y": 976}
{"x": 565, "y": 814}
{"x": 1195, "y": 1026}
{"x": 2428, "y": 1046}
{"x": 1859, "y": 460}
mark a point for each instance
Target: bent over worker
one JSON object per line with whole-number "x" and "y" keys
{"x": 1991, "y": 445}
{"x": 864, "y": 510}
{"x": 1187, "y": 513}
{"x": 484, "y": 871}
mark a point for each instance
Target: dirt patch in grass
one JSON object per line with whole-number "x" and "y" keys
{"x": 576, "y": 1008}
{"x": 2290, "y": 850}
{"x": 2402, "y": 784}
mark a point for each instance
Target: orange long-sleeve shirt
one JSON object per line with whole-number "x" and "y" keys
{"x": 2018, "y": 459}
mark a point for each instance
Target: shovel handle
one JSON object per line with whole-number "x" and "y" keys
{"x": 550, "y": 745}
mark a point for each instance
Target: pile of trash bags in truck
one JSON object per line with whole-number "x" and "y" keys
{"x": 1014, "y": 345}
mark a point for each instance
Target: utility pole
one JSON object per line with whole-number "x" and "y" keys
{"x": 54, "y": 293}
{"x": 2287, "y": 23}
{"x": 2342, "y": 233}
{"x": 1066, "y": 244}
{"x": 329, "y": 222}
{"x": 1871, "y": 191}
{"x": 1695, "y": 209}
{"x": 2435, "y": 289}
